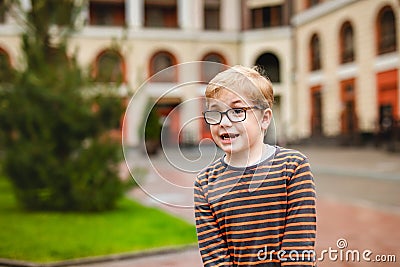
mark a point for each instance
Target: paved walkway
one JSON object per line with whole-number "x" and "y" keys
{"x": 358, "y": 204}
{"x": 183, "y": 258}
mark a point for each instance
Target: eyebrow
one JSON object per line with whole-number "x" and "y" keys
{"x": 213, "y": 105}
{"x": 238, "y": 101}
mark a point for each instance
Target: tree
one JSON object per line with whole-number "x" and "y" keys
{"x": 150, "y": 129}
{"x": 56, "y": 148}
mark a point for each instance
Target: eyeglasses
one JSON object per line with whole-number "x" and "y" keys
{"x": 214, "y": 117}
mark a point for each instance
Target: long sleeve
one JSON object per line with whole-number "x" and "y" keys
{"x": 300, "y": 231}
{"x": 212, "y": 244}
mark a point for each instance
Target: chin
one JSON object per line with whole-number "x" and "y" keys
{"x": 229, "y": 149}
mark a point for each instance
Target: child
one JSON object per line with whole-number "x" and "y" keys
{"x": 255, "y": 206}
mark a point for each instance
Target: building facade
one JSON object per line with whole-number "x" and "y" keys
{"x": 347, "y": 68}
{"x": 334, "y": 63}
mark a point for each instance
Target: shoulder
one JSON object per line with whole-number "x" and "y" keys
{"x": 210, "y": 170}
{"x": 290, "y": 155}
{"x": 296, "y": 165}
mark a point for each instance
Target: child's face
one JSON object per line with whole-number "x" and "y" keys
{"x": 238, "y": 137}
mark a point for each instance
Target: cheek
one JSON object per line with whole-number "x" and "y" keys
{"x": 252, "y": 127}
{"x": 214, "y": 130}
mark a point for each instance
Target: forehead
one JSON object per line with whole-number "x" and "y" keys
{"x": 229, "y": 98}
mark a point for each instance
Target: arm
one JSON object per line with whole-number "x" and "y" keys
{"x": 299, "y": 236}
{"x": 212, "y": 245}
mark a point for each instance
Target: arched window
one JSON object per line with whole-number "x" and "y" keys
{"x": 209, "y": 70}
{"x": 386, "y": 31}
{"x": 159, "y": 66}
{"x": 270, "y": 64}
{"x": 6, "y": 70}
{"x": 346, "y": 43}
{"x": 109, "y": 67}
{"x": 315, "y": 53}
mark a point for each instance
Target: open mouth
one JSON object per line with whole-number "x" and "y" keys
{"x": 228, "y": 136}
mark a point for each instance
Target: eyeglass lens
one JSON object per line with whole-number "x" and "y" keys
{"x": 234, "y": 115}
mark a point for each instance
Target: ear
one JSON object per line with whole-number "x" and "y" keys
{"x": 266, "y": 119}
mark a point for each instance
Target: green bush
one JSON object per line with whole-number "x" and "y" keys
{"x": 150, "y": 129}
{"x": 153, "y": 126}
{"x": 57, "y": 148}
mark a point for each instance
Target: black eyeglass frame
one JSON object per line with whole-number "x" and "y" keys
{"x": 245, "y": 109}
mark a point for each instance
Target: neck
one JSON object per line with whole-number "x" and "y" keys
{"x": 249, "y": 157}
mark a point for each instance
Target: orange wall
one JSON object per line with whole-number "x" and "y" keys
{"x": 388, "y": 92}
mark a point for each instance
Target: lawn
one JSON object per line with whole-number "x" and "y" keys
{"x": 53, "y": 236}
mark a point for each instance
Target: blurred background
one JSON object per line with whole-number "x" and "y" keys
{"x": 334, "y": 63}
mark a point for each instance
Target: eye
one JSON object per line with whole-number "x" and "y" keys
{"x": 237, "y": 111}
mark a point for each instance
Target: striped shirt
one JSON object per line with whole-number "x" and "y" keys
{"x": 261, "y": 215}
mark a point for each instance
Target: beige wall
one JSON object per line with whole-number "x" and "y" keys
{"x": 362, "y": 15}
{"x": 137, "y": 52}
{"x": 12, "y": 44}
{"x": 278, "y": 42}
{"x": 290, "y": 45}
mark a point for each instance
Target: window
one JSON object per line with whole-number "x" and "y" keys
{"x": 346, "y": 43}
{"x": 316, "y": 112}
{"x": 311, "y": 3}
{"x": 387, "y": 86}
{"x": 212, "y": 14}
{"x": 264, "y": 17}
{"x": 107, "y": 12}
{"x": 3, "y": 11}
{"x": 209, "y": 70}
{"x": 386, "y": 31}
{"x": 315, "y": 53}
{"x": 161, "y": 14}
{"x": 348, "y": 114}
{"x": 270, "y": 64}
{"x": 6, "y": 71}
{"x": 159, "y": 65}
{"x": 109, "y": 67}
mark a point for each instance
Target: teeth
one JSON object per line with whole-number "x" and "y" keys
{"x": 228, "y": 136}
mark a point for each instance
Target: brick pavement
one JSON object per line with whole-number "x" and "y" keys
{"x": 347, "y": 178}
{"x": 184, "y": 258}
{"x": 363, "y": 228}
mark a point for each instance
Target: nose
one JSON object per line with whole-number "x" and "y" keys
{"x": 225, "y": 121}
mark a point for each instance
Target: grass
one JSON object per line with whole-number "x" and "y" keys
{"x": 54, "y": 236}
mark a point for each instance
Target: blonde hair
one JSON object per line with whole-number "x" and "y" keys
{"x": 244, "y": 81}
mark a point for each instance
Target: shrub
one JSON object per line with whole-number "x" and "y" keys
{"x": 150, "y": 130}
{"x": 57, "y": 150}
